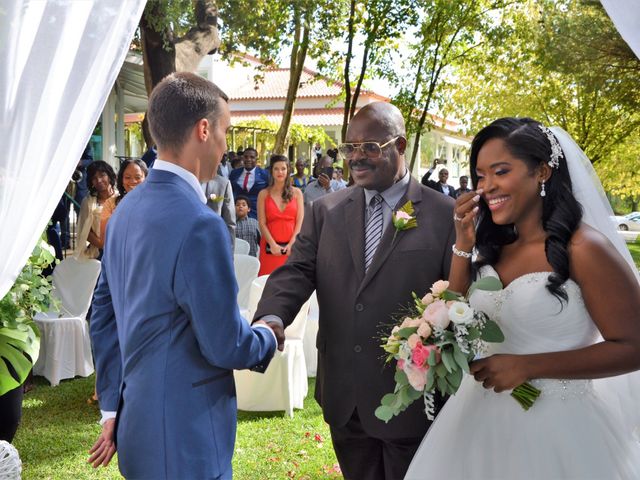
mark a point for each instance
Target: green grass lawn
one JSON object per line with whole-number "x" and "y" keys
{"x": 58, "y": 428}
{"x": 634, "y": 248}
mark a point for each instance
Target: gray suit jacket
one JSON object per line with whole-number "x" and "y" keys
{"x": 357, "y": 308}
{"x": 221, "y": 187}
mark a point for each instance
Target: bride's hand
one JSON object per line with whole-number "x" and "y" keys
{"x": 465, "y": 212}
{"x": 500, "y": 372}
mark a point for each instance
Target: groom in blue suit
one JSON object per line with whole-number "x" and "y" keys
{"x": 165, "y": 326}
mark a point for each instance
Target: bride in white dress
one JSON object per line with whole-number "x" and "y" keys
{"x": 569, "y": 310}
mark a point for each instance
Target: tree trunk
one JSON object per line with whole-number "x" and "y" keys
{"x": 347, "y": 66}
{"x": 421, "y": 123}
{"x": 163, "y": 54}
{"x": 298, "y": 56}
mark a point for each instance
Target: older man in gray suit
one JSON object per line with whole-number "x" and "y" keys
{"x": 364, "y": 272}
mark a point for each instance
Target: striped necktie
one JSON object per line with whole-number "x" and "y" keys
{"x": 372, "y": 230}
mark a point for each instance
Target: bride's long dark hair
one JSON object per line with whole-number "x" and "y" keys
{"x": 561, "y": 212}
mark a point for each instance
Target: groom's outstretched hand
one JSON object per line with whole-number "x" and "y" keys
{"x": 278, "y": 330}
{"x": 105, "y": 447}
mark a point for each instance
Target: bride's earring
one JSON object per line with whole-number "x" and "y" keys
{"x": 542, "y": 192}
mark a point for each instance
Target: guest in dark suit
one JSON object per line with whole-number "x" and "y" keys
{"x": 249, "y": 180}
{"x": 464, "y": 182}
{"x": 441, "y": 185}
{"x": 364, "y": 272}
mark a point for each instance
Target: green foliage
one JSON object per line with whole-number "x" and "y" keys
{"x": 265, "y": 140}
{"x": 172, "y": 18}
{"x": 619, "y": 171}
{"x": 564, "y": 64}
{"x": 19, "y": 336}
{"x": 449, "y": 32}
{"x": 58, "y": 427}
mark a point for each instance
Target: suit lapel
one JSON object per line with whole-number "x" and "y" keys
{"x": 390, "y": 239}
{"x": 354, "y": 225}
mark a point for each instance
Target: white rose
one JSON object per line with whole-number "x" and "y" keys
{"x": 460, "y": 313}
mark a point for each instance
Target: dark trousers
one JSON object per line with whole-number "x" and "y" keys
{"x": 10, "y": 413}
{"x": 362, "y": 457}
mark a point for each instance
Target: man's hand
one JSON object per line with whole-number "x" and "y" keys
{"x": 277, "y": 330}
{"x": 324, "y": 181}
{"x": 104, "y": 448}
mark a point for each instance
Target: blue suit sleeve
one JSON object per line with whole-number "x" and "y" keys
{"x": 205, "y": 288}
{"x": 106, "y": 345}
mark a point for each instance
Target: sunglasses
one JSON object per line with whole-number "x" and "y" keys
{"x": 370, "y": 149}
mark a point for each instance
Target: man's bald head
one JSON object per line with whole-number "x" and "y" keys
{"x": 387, "y": 117}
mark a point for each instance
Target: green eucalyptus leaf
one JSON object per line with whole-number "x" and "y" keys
{"x": 491, "y": 284}
{"x": 406, "y": 332}
{"x": 492, "y": 332}
{"x": 448, "y": 360}
{"x": 460, "y": 358}
{"x": 384, "y": 413}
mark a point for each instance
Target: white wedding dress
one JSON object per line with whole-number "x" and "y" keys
{"x": 569, "y": 433}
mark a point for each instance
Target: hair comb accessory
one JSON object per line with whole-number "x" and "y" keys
{"x": 556, "y": 150}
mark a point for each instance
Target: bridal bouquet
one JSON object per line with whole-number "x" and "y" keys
{"x": 434, "y": 344}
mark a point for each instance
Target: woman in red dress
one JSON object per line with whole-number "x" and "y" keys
{"x": 280, "y": 212}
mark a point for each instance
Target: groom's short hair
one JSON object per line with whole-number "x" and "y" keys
{"x": 177, "y": 103}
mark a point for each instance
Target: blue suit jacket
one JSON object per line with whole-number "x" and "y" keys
{"x": 261, "y": 182}
{"x": 167, "y": 333}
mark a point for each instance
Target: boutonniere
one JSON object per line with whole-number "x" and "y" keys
{"x": 404, "y": 218}
{"x": 216, "y": 198}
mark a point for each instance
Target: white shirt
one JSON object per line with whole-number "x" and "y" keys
{"x": 184, "y": 174}
{"x": 252, "y": 178}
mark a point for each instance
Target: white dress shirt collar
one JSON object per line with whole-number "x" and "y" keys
{"x": 183, "y": 173}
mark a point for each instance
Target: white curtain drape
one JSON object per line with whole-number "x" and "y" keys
{"x": 58, "y": 62}
{"x": 626, "y": 17}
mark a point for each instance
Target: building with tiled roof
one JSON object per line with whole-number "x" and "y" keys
{"x": 258, "y": 92}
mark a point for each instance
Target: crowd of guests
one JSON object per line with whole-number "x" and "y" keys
{"x": 263, "y": 206}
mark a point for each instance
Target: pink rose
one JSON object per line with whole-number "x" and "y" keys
{"x": 401, "y": 364}
{"x": 414, "y": 340}
{"x": 439, "y": 287}
{"x": 427, "y": 299}
{"x": 400, "y": 215}
{"x": 437, "y": 314}
{"x": 424, "y": 330}
{"x": 417, "y": 376}
{"x": 420, "y": 355}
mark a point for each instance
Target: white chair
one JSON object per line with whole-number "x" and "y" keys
{"x": 284, "y": 384}
{"x": 242, "y": 247}
{"x": 65, "y": 346}
{"x": 246, "y": 268}
{"x": 310, "y": 334}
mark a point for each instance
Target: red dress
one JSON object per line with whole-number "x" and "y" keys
{"x": 281, "y": 224}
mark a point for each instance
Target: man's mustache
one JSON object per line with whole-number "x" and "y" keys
{"x": 360, "y": 163}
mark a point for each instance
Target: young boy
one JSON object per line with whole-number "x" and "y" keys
{"x": 246, "y": 227}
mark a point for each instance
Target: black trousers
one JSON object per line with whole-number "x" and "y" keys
{"x": 10, "y": 413}
{"x": 362, "y": 457}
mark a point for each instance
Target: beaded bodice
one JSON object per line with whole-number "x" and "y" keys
{"x": 532, "y": 319}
